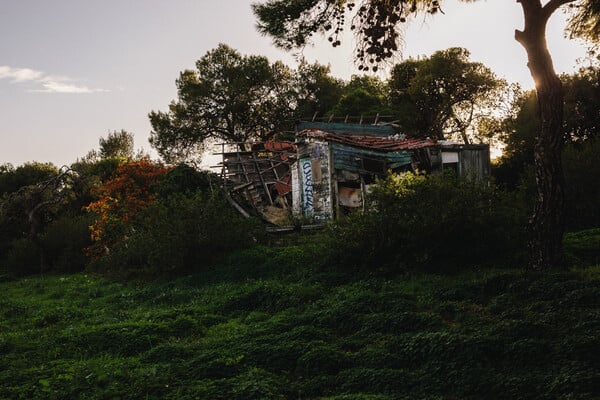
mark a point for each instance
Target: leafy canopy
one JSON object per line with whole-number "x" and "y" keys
{"x": 443, "y": 95}
{"x": 117, "y": 145}
{"x": 363, "y": 95}
{"x": 229, "y": 97}
{"x": 378, "y": 24}
{"x": 120, "y": 201}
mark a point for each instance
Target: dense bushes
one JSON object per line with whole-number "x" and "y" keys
{"x": 180, "y": 224}
{"x": 41, "y": 226}
{"x": 118, "y": 217}
{"x": 61, "y": 245}
{"x": 121, "y": 202}
{"x": 148, "y": 218}
{"x": 435, "y": 223}
{"x": 22, "y": 257}
{"x": 582, "y": 191}
{"x": 64, "y": 240}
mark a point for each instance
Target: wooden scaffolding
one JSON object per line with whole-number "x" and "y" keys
{"x": 259, "y": 181}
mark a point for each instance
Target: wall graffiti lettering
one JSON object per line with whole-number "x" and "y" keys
{"x": 318, "y": 151}
{"x": 308, "y": 196}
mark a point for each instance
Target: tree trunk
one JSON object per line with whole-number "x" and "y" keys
{"x": 547, "y": 223}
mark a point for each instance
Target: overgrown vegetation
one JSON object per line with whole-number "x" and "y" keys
{"x": 274, "y": 323}
{"x": 381, "y": 306}
{"x": 437, "y": 223}
{"x": 153, "y": 221}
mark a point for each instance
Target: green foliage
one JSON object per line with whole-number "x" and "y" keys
{"x": 363, "y": 95}
{"x": 121, "y": 202}
{"x": 585, "y": 23}
{"x": 230, "y": 97}
{"x": 316, "y": 91}
{"x": 26, "y": 212}
{"x": 582, "y": 192}
{"x": 582, "y": 99}
{"x": 99, "y": 170}
{"x": 435, "y": 223}
{"x": 92, "y": 173}
{"x": 12, "y": 179}
{"x": 13, "y": 207}
{"x": 262, "y": 262}
{"x": 180, "y": 233}
{"x": 22, "y": 257}
{"x": 292, "y": 337}
{"x": 582, "y": 95}
{"x": 445, "y": 95}
{"x": 378, "y": 26}
{"x": 322, "y": 360}
{"x": 583, "y": 247}
{"x": 64, "y": 241}
{"x": 117, "y": 145}
{"x": 581, "y": 172}
{"x": 184, "y": 179}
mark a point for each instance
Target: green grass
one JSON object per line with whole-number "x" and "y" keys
{"x": 267, "y": 324}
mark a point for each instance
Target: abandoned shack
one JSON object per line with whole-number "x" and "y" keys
{"x": 326, "y": 173}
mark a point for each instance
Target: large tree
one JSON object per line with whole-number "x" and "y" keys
{"x": 315, "y": 90}
{"x": 582, "y": 102}
{"x": 229, "y": 97}
{"x": 579, "y": 157}
{"x": 377, "y": 27}
{"x": 363, "y": 95}
{"x": 117, "y": 145}
{"x": 445, "y": 95}
{"x": 519, "y": 127}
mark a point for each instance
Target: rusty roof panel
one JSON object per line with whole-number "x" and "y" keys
{"x": 377, "y": 143}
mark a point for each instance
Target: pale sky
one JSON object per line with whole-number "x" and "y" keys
{"x": 73, "y": 70}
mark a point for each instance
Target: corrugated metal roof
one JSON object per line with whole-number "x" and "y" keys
{"x": 376, "y": 143}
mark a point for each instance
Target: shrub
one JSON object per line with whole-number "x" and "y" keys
{"x": 186, "y": 180}
{"x": 22, "y": 257}
{"x": 435, "y": 223}
{"x": 180, "y": 233}
{"x": 583, "y": 248}
{"x": 582, "y": 192}
{"x": 65, "y": 240}
{"x": 121, "y": 200}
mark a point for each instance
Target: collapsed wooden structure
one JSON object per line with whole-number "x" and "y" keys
{"x": 327, "y": 171}
{"x": 260, "y": 179}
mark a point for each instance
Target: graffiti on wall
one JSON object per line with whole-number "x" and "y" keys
{"x": 314, "y": 181}
{"x": 308, "y": 196}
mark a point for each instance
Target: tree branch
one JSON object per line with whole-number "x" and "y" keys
{"x": 554, "y": 5}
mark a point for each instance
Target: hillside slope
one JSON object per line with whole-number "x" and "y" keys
{"x": 265, "y": 327}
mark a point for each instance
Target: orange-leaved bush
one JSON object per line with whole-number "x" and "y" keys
{"x": 120, "y": 201}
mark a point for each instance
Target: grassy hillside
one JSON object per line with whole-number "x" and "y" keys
{"x": 267, "y": 325}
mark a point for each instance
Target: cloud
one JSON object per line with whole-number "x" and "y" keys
{"x": 48, "y": 83}
{"x": 19, "y": 74}
{"x": 57, "y": 85}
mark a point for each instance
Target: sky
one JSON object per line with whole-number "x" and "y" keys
{"x": 71, "y": 71}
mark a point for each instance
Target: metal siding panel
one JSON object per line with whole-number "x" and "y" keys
{"x": 348, "y": 158}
